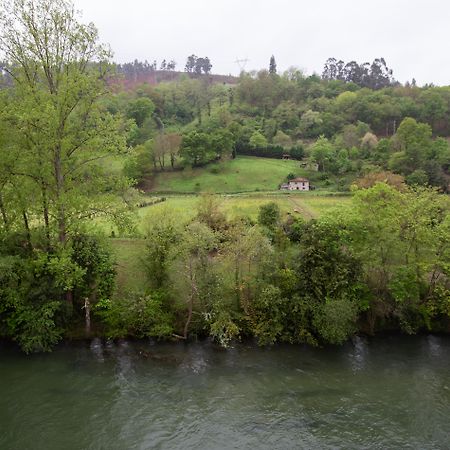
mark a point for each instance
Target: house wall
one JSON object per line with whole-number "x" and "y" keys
{"x": 299, "y": 186}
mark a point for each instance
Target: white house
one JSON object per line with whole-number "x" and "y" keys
{"x": 298, "y": 184}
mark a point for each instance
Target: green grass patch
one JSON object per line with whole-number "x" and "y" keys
{"x": 130, "y": 269}
{"x": 307, "y": 205}
{"x": 243, "y": 174}
{"x": 114, "y": 163}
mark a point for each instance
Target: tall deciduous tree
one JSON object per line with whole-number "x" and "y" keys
{"x": 60, "y": 128}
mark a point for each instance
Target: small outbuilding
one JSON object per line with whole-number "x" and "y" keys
{"x": 298, "y": 184}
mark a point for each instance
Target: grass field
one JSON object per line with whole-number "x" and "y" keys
{"x": 130, "y": 269}
{"x": 307, "y": 205}
{"x": 243, "y": 174}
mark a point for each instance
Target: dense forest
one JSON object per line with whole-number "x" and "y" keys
{"x": 382, "y": 262}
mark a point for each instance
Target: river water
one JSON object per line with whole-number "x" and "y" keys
{"x": 383, "y": 393}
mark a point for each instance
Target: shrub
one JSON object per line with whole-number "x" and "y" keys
{"x": 136, "y": 315}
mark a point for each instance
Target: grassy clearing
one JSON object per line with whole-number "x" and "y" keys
{"x": 130, "y": 270}
{"x": 304, "y": 204}
{"x": 243, "y": 174}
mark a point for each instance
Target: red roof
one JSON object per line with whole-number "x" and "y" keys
{"x": 299, "y": 180}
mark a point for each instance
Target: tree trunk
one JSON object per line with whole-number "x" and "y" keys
{"x": 62, "y": 230}
{"x": 59, "y": 177}
{"x": 4, "y": 215}
{"x": 87, "y": 310}
{"x": 27, "y": 231}
{"x": 46, "y": 215}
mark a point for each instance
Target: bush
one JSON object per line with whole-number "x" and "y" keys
{"x": 136, "y": 315}
{"x": 35, "y": 329}
{"x": 297, "y": 152}
{"x": 269, "y": 215}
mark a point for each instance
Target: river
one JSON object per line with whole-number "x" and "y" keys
{"x": 382, "y": 393}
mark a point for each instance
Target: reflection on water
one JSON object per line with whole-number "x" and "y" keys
{"x": 379, "y": 393}
{"x": 359, "y": 353}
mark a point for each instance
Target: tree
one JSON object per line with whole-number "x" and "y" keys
{"x": 162, "y": 235}
{"x": 282, "y": 139}
{"x": 329, "y": 281}
{"x": 415, "y": 143}
{"x": 171, "y": 65}
{"x": 398, "y": 237}
{"x": 203, "y": 65}
{"x": 369, "y": 142}
{"x": 191, "y": 271}
{"x": 222, "y": 142}
{"x": 258, "y": 140}
{"x": 269, "y": 215}
{"x": 190, "y": 63}
{"x": 272, "y": 65}
{"x": 196, "y": 148}
{"x": 59, "y": 71}
{"x": 322, "y": 152}
{"x": 140, "y": 109}
{"x": 310, "y": 123}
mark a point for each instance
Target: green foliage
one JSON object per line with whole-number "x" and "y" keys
{"x": 223, "y": 329}
{"x": 268, "y": 315}
{"x": 398, "y": 237}
{"x": 136, "y": 315}
{"x": 269, "y": 215}
{"x": 297, "y": 152}
{"x": 59, "y": 129}
{"x": 382, "y": 263}
{"x": 222, "y": 141}
{"x": 28, "y": 292}
{"x": 162, "y": 234}
{"x": 32, "y": 288}
{"x": 323, "y": 153}
{"x": 419, "y": 177}
{"x": 34, "y": 328}
{"x": 93, "y": 257}
{"x": 282, "y": 139}
{"x": 209, "y": 212}
{"x": 196, "y": 148}
{"x": 257, "y": 140}
{"x": 141, "y": 163}
{"x": 140, "y": 109}
{"x": 329, "y": 278}
{"x": 335, "y": 320}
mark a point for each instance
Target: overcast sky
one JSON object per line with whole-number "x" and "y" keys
{"x": 413, "y": 36}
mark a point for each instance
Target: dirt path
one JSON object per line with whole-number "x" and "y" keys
{"x": 302, "y": 209}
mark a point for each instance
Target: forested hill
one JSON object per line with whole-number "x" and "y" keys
{"x": 130, "y": 75}
{"x": 133, "y": 79}
{"x": 352, "y": 120}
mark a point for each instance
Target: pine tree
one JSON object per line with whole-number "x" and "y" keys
{"x": 272, "y": 65}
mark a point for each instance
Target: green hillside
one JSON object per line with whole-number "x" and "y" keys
{"x": 243, "y": 174}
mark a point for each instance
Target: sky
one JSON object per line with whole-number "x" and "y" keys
{"x": 413, "y": 36}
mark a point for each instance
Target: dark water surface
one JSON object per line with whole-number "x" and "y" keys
{"x": 384, "y": 393}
